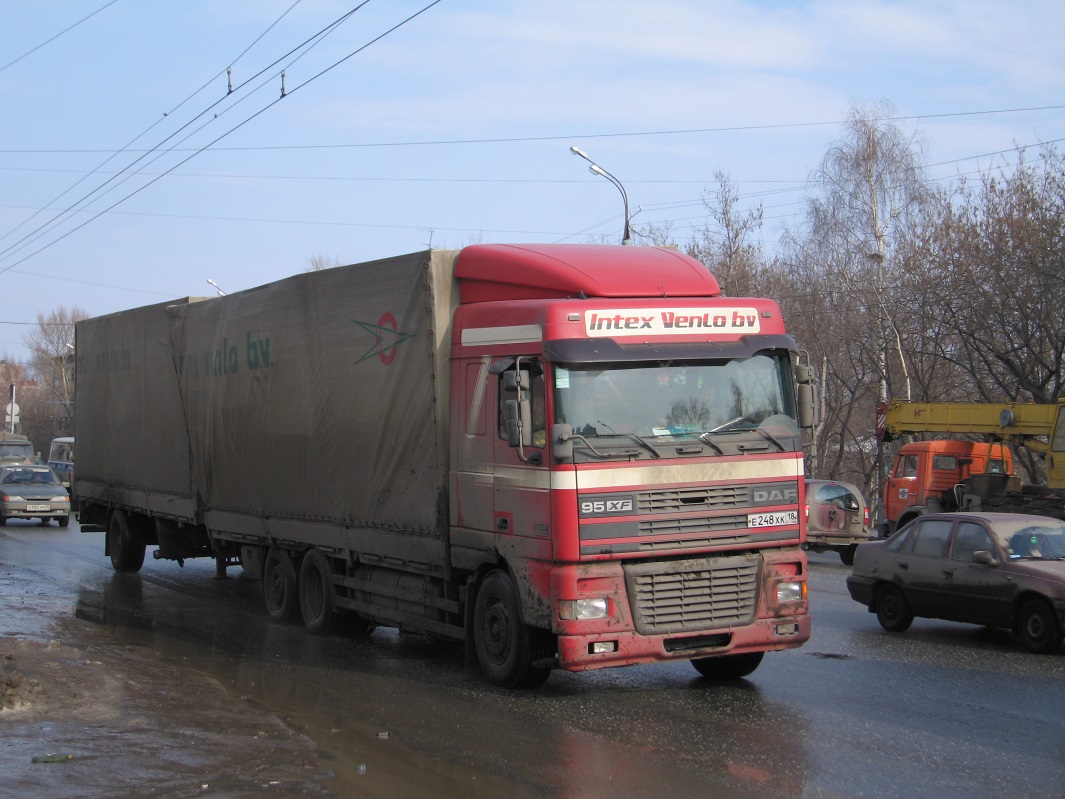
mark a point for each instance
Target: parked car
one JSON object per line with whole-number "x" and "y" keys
{"x": 28, "y": 492}
{"x": 16, "y": 449}
{"x": 837, "y": 518}
{"x": 997, "y": 569}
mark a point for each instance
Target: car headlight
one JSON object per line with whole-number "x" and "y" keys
{"x": 11, "y": 498}
{"x": 583, "y": 609}
{"x": 791, "y": 592}
{"x": 60, "y": 499}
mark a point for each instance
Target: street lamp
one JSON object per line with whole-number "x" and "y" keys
{"x": 595, "y": 169}
{"x": 220, "y": 292}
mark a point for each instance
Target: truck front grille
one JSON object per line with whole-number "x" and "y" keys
{"x": 693, "y": 595}
{"x": 681, "y": 500}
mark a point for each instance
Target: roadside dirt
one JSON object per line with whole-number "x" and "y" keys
{"x": 124, "y": 722}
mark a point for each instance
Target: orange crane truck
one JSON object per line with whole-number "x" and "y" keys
{"x": 950, "y": 474}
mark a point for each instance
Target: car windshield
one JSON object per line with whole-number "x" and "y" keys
{"x": 701, "y": 400}
{"x": 1030, "y": 541}
{"x": 26, "y": 476}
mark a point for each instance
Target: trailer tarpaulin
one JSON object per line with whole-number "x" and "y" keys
{"x": 323, "y": 397}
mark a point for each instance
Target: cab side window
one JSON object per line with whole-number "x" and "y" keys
{"x": 536, "y": 396}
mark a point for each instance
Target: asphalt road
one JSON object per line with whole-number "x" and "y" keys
{"x": 943, "y": 710}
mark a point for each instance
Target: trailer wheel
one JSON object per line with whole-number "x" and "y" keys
{"x": 125, "y": 543}
{"x": 503, "y": 642}
{"x": 316, "y": 592}
{"x": 728, "y": 667}
{"x": 279, "y": 586}
{"x": 1038, "y": 627}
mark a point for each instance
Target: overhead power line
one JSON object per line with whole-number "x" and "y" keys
{"x": 566, "y": 136}
{"x": 236, "y": 127}
{"x": 48, "y": 41}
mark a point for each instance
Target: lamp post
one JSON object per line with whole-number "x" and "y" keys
{"x": 595, "y": 169}
{"x": 220, "y": 292}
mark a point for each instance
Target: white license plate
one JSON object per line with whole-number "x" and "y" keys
{"x": 776, "y": 519}
{"x": 38, "y": 507}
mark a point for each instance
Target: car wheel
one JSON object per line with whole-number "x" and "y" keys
{"x": 64, "y": 521}
{"x": 892, "y": 610}
{"x": 504, "y": 645}
{"x": 728, "y": 667}
{"x": 847, "y": 554}
{"x": 279, "y": 586}
{"x": 316, "y": 593}
{"x": 1038, "y": 627}
{"x": 125, "y": 543}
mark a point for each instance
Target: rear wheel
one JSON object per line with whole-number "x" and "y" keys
{"x": 505, "y": 646}
{"x": 316, "y": 592}
{"x": 1038, "y": 627}
{"x": 892, "y": 610}
{"x": 728, "y": 667}
{"x": 125, "y": 543}
{"x": 279, "y": 586}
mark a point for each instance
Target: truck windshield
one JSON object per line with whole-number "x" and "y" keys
{"x": 708, "y": 401}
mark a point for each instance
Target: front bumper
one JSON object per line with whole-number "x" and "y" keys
{"x": 578, "y": 652}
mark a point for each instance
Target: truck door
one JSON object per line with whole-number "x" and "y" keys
{"x": 522, "y": 497}
{"x": 902, "y": 488}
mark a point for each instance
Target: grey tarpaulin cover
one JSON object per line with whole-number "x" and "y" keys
{"x": 320, "y": 397}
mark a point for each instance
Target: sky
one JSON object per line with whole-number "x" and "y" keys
{"x": 134, "y": 168}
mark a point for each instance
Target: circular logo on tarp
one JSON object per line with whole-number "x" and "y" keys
{"x": 386, "y": 335}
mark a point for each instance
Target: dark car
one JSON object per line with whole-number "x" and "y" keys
{"x": 836, "y": 518}
{"x": 28, "y": 492}
{"x": 996, "y": 569}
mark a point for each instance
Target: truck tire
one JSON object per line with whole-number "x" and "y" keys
{"x": 728, "y": 667}
{"x": 503, "y": 643}
{"x": 317, "y": 603}
{"x": 892, "y": 610}
{"x": 1038, "y": 628}
{"x": 125, "y": 543}
{"x": 279, "y": 586}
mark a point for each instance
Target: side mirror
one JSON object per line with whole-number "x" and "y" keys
{"x": 806, "y": 408}
{"x": 517, "y": 419}
{"x": 984, "y": 557}
{"x": 562, "y": 442}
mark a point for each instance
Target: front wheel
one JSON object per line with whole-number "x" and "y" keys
{"x": 125, "y": 543}
{"x": 892, "y": 610}
{"x": 1038, "y": 627}
{"x": 279, "y": 586}
{"x": 847, "y": 554}
{"x": 728, "y": 667}
{"x": 504, "y": 644}
{"x": 64, "y": 521}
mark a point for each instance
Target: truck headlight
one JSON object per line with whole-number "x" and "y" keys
{"x": 583, "y": 609}
{"x": 791, "y": 592}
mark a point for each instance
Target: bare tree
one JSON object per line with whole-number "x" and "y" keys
{"x": 48, "y": 407}
{"x": 725, "y": 244}
{"x": 316, "y": 263}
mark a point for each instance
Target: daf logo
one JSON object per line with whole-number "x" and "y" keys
{"x": 775, "y": 495}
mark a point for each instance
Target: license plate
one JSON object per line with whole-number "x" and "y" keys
{"x": 38, "y": 507}
{"x": 776, "y": 519}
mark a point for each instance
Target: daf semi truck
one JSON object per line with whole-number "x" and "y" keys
{"x": 567, "y": 456}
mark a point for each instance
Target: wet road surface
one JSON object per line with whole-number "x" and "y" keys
{"x": 199, "y": 689}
